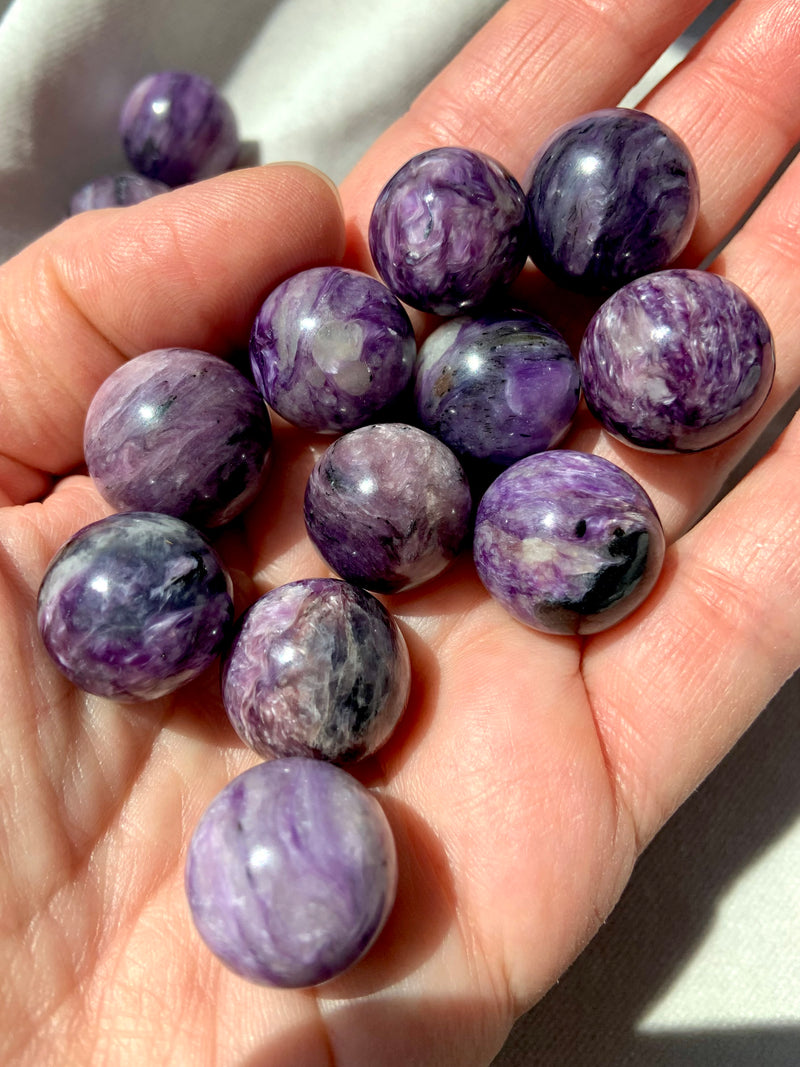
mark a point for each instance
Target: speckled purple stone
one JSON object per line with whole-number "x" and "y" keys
{"x": 677, "y": 361}
{"x": 176, "y": 127}
{"x": 291, "y": 872}
{"x": 567, "y": 542}
{"x": 318, "y": 668}
{"x": 178, "y": 431}
{"x": 135, "y": 605}
{"x": 449, "y": 230}
{"x": 330, "y": 348}
{"x": 388, "y": 506}
{"x": 497, "y": 387}
{"x": 115, "y": 190}
{"x": 612, "y": 195}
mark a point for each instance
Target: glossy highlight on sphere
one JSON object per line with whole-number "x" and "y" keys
{"x": 497, "y": 387}
{"x": 178, "y": 431}
{"x": 330, "y": 348}
{"x": 612, "y": 195}
{"x": 318, "y": 668}
{"x": 115, "y": 190}
{"x": 135, "y": 605}
{"x": 291, "y": 872}
{"x": 677, "y": 361}
{"x": 387, "y": 506}
{"x": 567, "y": 542}
{"x": 449, "y": 230}
{"x": 176, "y": 127}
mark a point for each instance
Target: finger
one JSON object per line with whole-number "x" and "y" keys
{"x": 674, "y": 687}
{"x": 188, "y": 268}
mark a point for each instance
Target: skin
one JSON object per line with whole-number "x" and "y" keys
{"x": 530, "y": 770}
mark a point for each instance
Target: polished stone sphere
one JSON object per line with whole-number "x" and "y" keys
{"x": 677, "y": 361}
{"x": 291, "y": 872}
{"x": 115, "y": 190}
{"x": 612, "y": 195}
{"x": 567, "y": 542}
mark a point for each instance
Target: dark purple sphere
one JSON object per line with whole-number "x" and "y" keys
{"x": 291, "y": 872}
{"x": 115, "y": 190}
{"x": 612, "y": 195}
{"x": 677, "y": 361}
{"x": 178, "y": 431}
{"x": 388, "y": 506}
{"x": 330, "y": 348}
{"x": 497, "y": 387}
{"x": 318, "y": 668}
{"x": 567, "y": 542}
{"x": 176, "y": 127}
{"x": 135, "y": 605}
{"x": 449, "y": 230}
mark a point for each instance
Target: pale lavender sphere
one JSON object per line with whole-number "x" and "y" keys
{"x": 612, "y": 195}
{"x": 291, "y": 873}
{"x": 318, "y": 668}
{"x": 330, "y": 348}
{"x": 178, "y": 431}
{"x": 388, "y": 506}
{"x": 176, "y": 127}
{"x": 677, "y": 361}
{"x": 134, "y": 606}
{"x": 449, "y": 230}
{"x": 115, "y": 190}
{"x": 497, "y": 387}
{"x": 567, "y": 542}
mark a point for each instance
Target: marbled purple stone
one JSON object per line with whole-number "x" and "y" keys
{"x": 388, "y": 506}
{"x": 677, "y": 361}
{"x": 176, "y": 127}
{"x": 567, "y": 542}
{"x": 115, "y": 190}
{"x": 330, "y": 348}
{"x": 612, "y": 195}
{"x": 449, "y": 230}
{"x": 135, "y": 605}
{"x": 318, "y": 668}
{"x": 291, "y": 872}
{"x": 181, "y": 432}
{"x": 497, "y": 387}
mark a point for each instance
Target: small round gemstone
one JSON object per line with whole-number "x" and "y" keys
{"x": 291, "y": 872}
{"x": 178, "y": 431}
{"x": 612, "y": 195}
{"x": 677, "y": 361}
{"x": 115, "y": 190}
{"x": 318, "y": 668}
{"x": 497, "y": 387}
{"x": 449, "y": 230}
{"x": 134, "y": 605}
{"x": 176, "y": 127}
{"x": 567, "y": 542}
{"x": 330, "y": 348}
{"x": 388, "y": 506}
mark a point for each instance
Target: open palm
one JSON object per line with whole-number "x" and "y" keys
{"x": 529, "y": 770}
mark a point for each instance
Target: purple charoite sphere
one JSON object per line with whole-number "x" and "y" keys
{"x": 677, "y": 361}
{"x": 330, "y": 348}
{"x": 291, "y": 872}
{"x": 567, "y": 542}
{"x": 612, "y": 195}
{"x": 498, "y": 387}
{"x": 115, "y": 190}
{"x": 178, "y": 431}
{"x": 176, "y": 127}
{"x": 449, "y": 230}
{"x": 135, "y": 605}
{"x": 388, "y": 506}
{"x": 318, "y": 668}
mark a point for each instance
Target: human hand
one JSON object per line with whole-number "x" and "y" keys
{"x": 530, "y": 770}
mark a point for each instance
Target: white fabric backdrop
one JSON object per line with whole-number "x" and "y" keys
{"x": 700, "y": 964}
